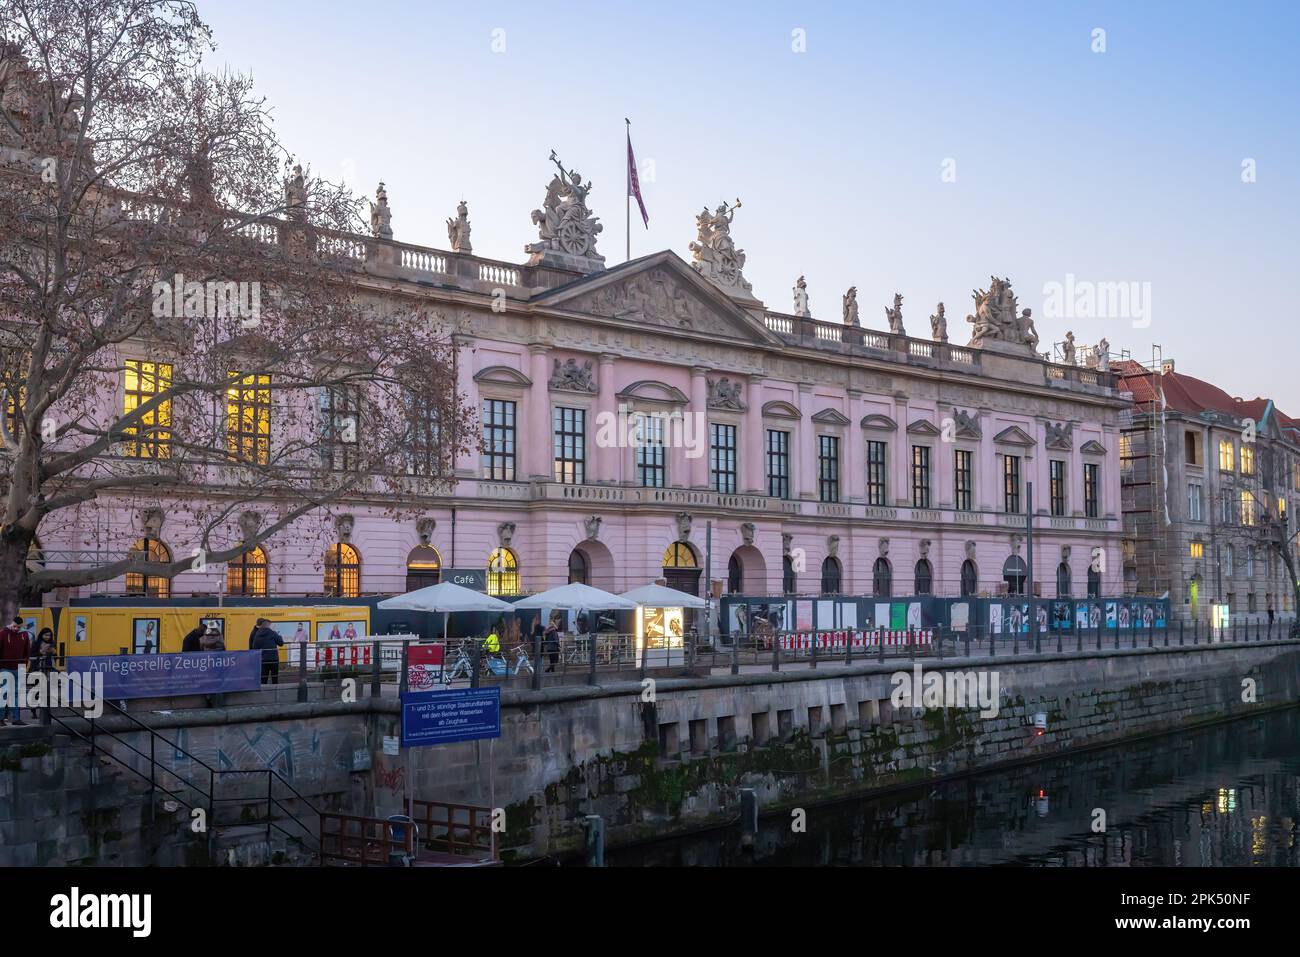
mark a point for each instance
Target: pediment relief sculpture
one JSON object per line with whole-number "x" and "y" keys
{"x": 724, "y": 393}
{"x": 1059, "y": 435}
{"x": 571, "y": 377}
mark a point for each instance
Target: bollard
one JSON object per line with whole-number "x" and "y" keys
{"x": 966, "y": 638}
{"x": 537, "y": 662}
{"x": 735, "y": 654}
{"x": 813, "y": 657}
{"x": 591, "y": 659}
{"x": 776, "y": 652}
{"x": 302, "y": 671}
{"x": 881, "y": 652}
{"x": 748, "y": 816}
{"x": 375, "y": 667}
{"x": 1015, "y": 642}
{"x": 848, "y": 647}
{"x": 595, "y": 828}
{"x": 1180, "y": 633}
{"x": 476, "y": 653}
{"x": 1079, "y": 638}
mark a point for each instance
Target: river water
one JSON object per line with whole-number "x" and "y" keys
{"x": 1228, "y": 795}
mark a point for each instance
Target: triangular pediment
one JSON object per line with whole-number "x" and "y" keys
{"x": 922, "y": 427}
{"x": 659, "y": 291}
{"x": 1092, "y": 447}
{"x": 1014, "y": 435}
{"x": 830, "y": 417}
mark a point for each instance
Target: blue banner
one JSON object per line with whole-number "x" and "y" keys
{"x": 158, "y": 676}
{"x": 441, "y": 717}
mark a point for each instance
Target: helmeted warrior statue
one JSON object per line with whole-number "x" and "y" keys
{"x": 458, "y": 230}
{"x": 1068, "y": 349}
{"x": 714, "y": 255}
{"x": 801, "y": 298}
{"x": 565, "y": 225}
{"x": 381, "y": 217}
{"x": 939, "y": 325}
{"x": 851, "y": 306}
{"x": 895, "y": 316}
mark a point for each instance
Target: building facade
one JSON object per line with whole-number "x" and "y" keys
{"x": 1202, "y": 472}
{"x": 653, "y": 420}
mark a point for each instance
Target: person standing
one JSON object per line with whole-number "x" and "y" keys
{"x": 1270, "y": 615}
{"x": 43, "y": 657}
{"x": 15, "y": 650}
{"x": 192, "y": 640}
{"x": 268, "y": 641}
{"x": 552, "y": 645}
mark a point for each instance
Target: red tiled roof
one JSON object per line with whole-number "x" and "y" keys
{"x": 1187, "y": 394}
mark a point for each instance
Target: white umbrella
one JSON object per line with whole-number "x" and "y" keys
{"x": 445, "y": 597}
{"x": 577, "y": 597}
{"x": 661, "y": 596}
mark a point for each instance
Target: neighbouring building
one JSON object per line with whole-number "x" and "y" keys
{"x": 1201, "y": 473}
{"x": 627, "y": 411}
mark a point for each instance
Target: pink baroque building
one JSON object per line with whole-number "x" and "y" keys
{"x": 644, "y": 420}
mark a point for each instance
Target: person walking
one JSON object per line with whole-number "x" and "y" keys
{"x": 15, "y": 650}
{"x": 268, "y": 641}
{"x": 42, "y": 657}
{"x": 1270, "y": 616}
{"x": 552, "y": 645}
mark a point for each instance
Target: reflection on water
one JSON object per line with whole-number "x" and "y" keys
{"x": 1223, "y": 796}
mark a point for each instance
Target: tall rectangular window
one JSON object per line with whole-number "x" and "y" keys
{"x": 1226, "y": 456}
{"x": 248, "y": 418}
{"x": 1056, "y": 485}
{"x": 722, "y": 458}
{"x": 1247, "y": 460}
{"x": 143, "y": 382}
{"x": 962, "y": 479}
{"x": 569, "y": 427}
{"x": 1247, "y": 508}
{"x": 778, "y": 463}
{"x": 920, "y": 476}
{"x": 1092, "y": 489}
{"x": 876, "y": 473}
{"x": 828, "y": 468}
{"x": 1011, "y": 483}
{"x": 1195, "y": 501}
{"x": 340, "y": 424}
{"x": 650, "y": 469}
{"x": 498, "y": 440}
{"x": 424, "y": 450}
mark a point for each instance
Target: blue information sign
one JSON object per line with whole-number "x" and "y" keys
{"x": 441, "y": 717}
{"x": 157, "y": 676}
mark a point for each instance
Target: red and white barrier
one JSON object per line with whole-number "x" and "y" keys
{"x": 832, "y": 640}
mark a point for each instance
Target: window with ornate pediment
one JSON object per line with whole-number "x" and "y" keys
{"x": 149, "y": 586}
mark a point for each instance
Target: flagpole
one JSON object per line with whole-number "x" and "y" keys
{"x": 627, "y": 193}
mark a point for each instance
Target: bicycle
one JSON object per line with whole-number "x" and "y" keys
{"x": 522, "y": 660}
{"x": 462, "y": 667}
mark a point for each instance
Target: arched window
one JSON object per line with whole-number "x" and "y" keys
{"x": 735, "y": 575}
{"x": 502, "y": 572}
{"x": 831, "y": 576}
{"x": 681, "y": 568}
{"x": 882, "y": 579}
{"x": 342, "y": 571}
{"x": 150, "y": 586}
{"x": 423, "y": 567}
{"x": 246, "y": 575}
{"x": 1094, "y": 582}
{"x": 577, "y": 567}
{"x": 1014, "y": 573}
{"x": 924, "y": 577}
{"x": 970, "y": 578}
{"x": 1063, "y": 584}
{"x": 789, "y": 582}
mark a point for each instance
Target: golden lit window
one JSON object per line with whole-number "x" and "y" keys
{"x": 1226, "y": 456}
{"x": 142, "y": 383}
{"x": 1247, "y": 508}
{"x": 1247, "y": 460}
{"x": 246, "y": 575}
{"x": 149, "y": 586}
{"x": 679, "y": 555}
{"x": 1198, "y": 550}
{"x": 503, "y": 573}
{"x": 248, "y": 418}
{"x": 342, "y": 571}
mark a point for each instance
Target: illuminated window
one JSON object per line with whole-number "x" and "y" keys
{"x": 142, "y": 382}
{"x": 1281, "y": 507}
{"x": 1247, "y": 507}
{"x": 248, "y": 418}
{"x": 679, "y": 555}
{"x": 569, "y": 435}
{"x": 342, "y": 571}
{"x": 1226, "y": 457}
{"x": 1198, "y": 550}
{"x": 423, "y": 567}
{"x": 1247, "y": 460}
{"x": 150, "y": 586}
{"x": 503, "y": 573}
{"x": 246, "y": 575}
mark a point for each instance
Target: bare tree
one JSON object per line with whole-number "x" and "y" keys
{"x": 148, "y": 237}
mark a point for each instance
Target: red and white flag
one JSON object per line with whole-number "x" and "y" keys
{"x": 634, "y": 184}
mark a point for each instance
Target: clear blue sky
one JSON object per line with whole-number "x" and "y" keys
{"x": 1115, "y": 166}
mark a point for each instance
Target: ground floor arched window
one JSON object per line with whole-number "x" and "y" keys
{"x": 246, "y": 575}
{"x": 831, "y": 576}
{"x": 682, "y": 568}
{"x": 1094, "y": 582}
{"x": 578, "y": 568}
{"x": 970, "y": 578}
{"x": 149, "y": 586}
{"x": 789, "y": 581}
{"x": 924, "y": 577}
{"x": 503, "y": 572}
{"x": 342, "y": 571}
{"x": 882, "y": 579}
{"x": 1063, "y": 583}
{"x": 423, "y": 567}
{"x": 735, "y": 575}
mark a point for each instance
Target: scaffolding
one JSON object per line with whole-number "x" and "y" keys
{"x": 1144, "y": 481}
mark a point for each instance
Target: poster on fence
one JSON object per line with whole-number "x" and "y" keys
{"x": 424, "y": 667}
{"x": 959, "y": 613}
